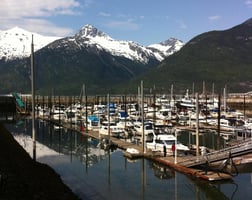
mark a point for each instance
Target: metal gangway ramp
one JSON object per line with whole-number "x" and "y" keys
{"x": 244, "y": 147}
{"x": 19, "y": 103}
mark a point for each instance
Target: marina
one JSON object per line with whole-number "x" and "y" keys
{"x": 94, "y": 117}
{"x": 121, "y": 126}
{"x": 146, "y": 134}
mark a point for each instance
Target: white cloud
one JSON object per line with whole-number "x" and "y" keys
{"x": 44, "y": 27}
{"x": 214, "y": 17}
{"x": 40, "y": 26}
{"x": 34, "y": 15}
{"x": 248, "y": 2}
{"x": 36, "y": 8}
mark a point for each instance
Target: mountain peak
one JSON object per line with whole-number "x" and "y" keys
{"x": 170, "y": 41}
{"x": 90, "y": 31}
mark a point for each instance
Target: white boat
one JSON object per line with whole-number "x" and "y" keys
{"x": 201, "y": 116}
{"x": 148, "y": 128}
{"x": 58, "y": 112}
{"x": 158, "y": 142}
{"x": 125, "y": 124}
{"x": 43, "y": 111}
{"x": 111, "y": 129}
{"x": 132, "y": 153}
{"x": 99, "y": 109}
{"x": 162, "y": 100}
{"x": 124, "y": 121}
{"x": 187, "y": 101}
{"x": 225, "y": 124}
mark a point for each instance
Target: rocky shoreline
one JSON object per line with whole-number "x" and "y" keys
{"x": 23, "y": 178}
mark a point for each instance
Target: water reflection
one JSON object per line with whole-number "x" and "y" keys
{"x": 94, "y": 173}
{"x": 162, "y": 171}
{"x": 70, "y": 142}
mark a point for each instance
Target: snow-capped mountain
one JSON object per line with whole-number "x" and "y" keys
{"x": 166, "y": 48}
{"x": 91, "y": 36}
{"x": 16, "y": 43}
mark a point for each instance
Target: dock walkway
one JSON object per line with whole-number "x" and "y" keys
{"x": 237, "y": 150}
{"x": 182, "y": 164}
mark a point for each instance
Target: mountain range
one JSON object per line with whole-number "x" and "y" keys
{"x": 65, "y": 64}
{"x": 217, "y": 58}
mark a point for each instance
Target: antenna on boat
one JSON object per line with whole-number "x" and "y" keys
{"x": 33, "y": 100}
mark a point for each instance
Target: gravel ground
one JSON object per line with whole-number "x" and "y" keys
{"x": 23, "y": 178}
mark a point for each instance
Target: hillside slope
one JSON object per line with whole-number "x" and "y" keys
{"x": 217, "y": 57}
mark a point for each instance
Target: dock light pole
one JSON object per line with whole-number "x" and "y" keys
{"x": 33, "y": 100}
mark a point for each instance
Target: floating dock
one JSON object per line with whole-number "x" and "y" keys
{"x": 158, "y": 157}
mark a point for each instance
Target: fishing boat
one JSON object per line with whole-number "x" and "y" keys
{"x": 187, "y": 102}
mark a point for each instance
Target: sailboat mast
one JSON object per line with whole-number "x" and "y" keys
{"x": 33, "y": 100}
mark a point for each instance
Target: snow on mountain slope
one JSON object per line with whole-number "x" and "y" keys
{"x": 90, "y": 35}
{"x": 16, "y": 43}
{"x": 167, "y": 47}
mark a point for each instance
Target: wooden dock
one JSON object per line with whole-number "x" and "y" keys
{"x": 158, "y": 157}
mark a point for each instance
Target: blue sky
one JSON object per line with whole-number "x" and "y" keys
{"x": 143, "y": 21}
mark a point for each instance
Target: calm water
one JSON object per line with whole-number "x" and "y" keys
{"x": 93, "y": 173}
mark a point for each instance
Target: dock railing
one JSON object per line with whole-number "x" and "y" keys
{"x": 242, "y": 148}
